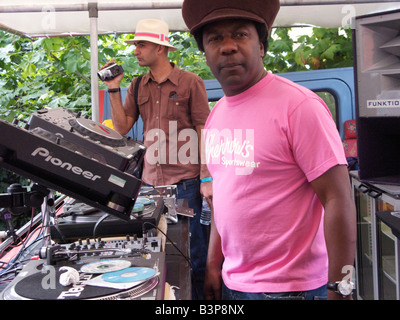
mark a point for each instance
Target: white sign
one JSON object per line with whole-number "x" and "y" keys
{"x": 386, "y": 103}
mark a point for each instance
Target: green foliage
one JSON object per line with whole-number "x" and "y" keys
{"x": 43, "y": 72}
{"x": 188, "y": 57}
{"x": 55, "y": 71}
{"x": 321, "y": 49}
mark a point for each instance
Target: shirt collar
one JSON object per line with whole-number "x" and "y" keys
{"x": 173, "y": 76}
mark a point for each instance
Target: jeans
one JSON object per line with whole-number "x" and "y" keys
{"x": 316, "y": 294}
{"x": 190, "y": 189}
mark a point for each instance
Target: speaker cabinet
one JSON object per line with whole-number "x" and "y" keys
{"x": 377, "y": 72}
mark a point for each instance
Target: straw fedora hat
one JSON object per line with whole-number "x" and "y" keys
{"x": 152, "y": 30}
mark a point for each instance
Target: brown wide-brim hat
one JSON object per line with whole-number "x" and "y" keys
{"x": 197, "y": 14}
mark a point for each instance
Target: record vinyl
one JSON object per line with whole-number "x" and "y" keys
{"x": 144, "y": 201}
{"x": 129, "y": 275}
{"x": 104, "y": 266}
{"x": 138, "y": 207}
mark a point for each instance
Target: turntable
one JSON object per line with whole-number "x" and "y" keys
{"x": 83, "y": 159}
{"x": 105, "y": 145}
{"x": 123, "y": 278}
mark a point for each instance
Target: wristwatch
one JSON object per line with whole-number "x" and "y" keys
{"x": 114, "y": 90}
{"x": 344, "y": 287}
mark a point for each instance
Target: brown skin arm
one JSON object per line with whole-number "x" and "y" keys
{"x": 205, "y": 187}
{"x": 334, "y": 191}
{"x": 121, "y": 122}
{"x": 213, "y": 279}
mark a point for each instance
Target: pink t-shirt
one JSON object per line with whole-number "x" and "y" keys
{"x": 263, "y": 147}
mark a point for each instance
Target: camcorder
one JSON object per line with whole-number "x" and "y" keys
{"x": 110, "y": 72}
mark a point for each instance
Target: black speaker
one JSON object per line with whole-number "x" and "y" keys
{"x": 377, "y": 74}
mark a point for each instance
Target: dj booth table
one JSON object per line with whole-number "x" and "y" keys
{"x": 176, "y": 277}
{"x": 178, "y": 269}
{"x": 95, "y": 166}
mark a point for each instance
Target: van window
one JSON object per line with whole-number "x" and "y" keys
{"x": 330, "y": 101}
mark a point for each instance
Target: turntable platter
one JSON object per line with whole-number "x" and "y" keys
{"x": 97, "y": 131}
{"x": 36, "y": 286}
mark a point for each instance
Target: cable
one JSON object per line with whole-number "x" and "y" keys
{"x": 182, "y": 254}
{"x": 15, "y": 261}
{"x": 55, "y": 226}
{"x": 104, "y": 217}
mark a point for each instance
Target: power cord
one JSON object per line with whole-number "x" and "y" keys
{"x": 180, "y": 252}
{"x": 154, "y": 226}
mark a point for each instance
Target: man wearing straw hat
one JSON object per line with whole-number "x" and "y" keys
{"x": 284, "y": 220}
{"x": 173, "y": 104}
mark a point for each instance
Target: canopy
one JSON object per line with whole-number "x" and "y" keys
{"x": 32, "y": 18}
{"x": 55, "y": 17}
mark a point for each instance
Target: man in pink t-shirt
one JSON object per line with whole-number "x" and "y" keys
{"x": 284, "y": 219}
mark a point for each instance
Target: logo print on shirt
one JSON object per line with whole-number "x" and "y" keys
{"x": 229, "y": 148}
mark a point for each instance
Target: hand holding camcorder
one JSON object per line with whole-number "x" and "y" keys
{"x": 110, "y": 72}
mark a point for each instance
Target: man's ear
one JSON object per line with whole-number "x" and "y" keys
{"x": 162, "y": 49}
{"x": 262, "y": 53}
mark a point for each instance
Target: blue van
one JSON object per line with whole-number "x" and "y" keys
{"x": 335, "y": 86}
